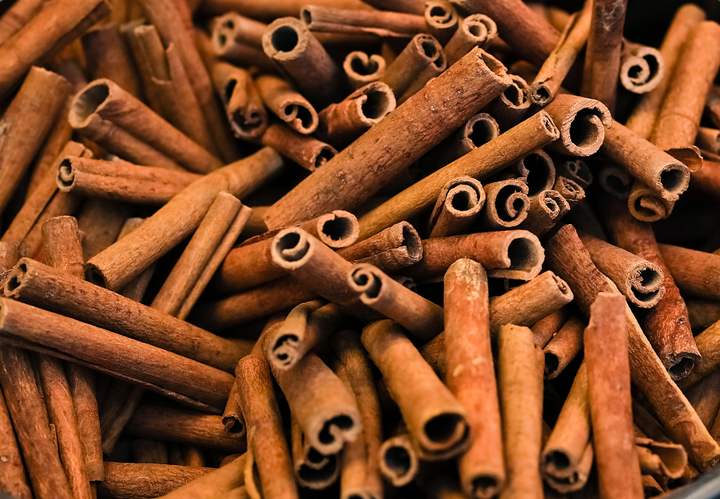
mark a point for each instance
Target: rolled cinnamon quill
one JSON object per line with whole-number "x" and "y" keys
{"x": 441, "y": 19}
{"x": 538, "y": 170}
{"x": 398, "y": 459}
{"x": 380, "y": 23}
{"x": 471, "y": 376}
{"x": 312, "y": 470}
{"x": 287, "y": 104}
{"x": 243, "y": 105}
{"x": 372, "y": 160}
{"x": 457, "y": 207}
{"x": 582, "y": 123}
{"x": 120, "y": 180}
{"x": 567, "y": 256}
{"x": 507, "y": 205}
{"x": 615, "y": 181}
{"x": 291, "y": 45}
{"x": 608, "y": 372}
{"x": 15, "y": 17}
{"x": 563, "y": 347}
{"x": 12, "y": 472}
{"x": 546, "y": 328}
{"x": 361, "y": 68}
{"x": 641, "y": 67}
{"x": 476, "y": 30}
{"x": 345, "y": 121}
{"x": 102, "y": 107}
{"x": 307, "y": 151}
{"x": 214, "y": 485}
{"x": 124, "y": 260}
{"x": 511, "y": 107}
{"x": 661, "y": 459}
{"x": 436, "y": 421}
{"x": 45, "y": 34}
{"x": 377, "y": 290}
{"x": 693, "y": 271}
{"x": 144, "y": 480}
{"x": 531, "y": 134}
{"x": 641, "y": 281}
{"x": 577, "y": 171}
{"x": 520, "y": 380}
{"x": 544, "y": 211}
{"x": 419, "y": 53}
{"x": 478, "y": 130}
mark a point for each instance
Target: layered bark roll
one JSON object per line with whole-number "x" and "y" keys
{"x": 392, "y": 249}
{"x": 693, "y": 271}
{"x": 705, "y": 398}
{"x": 521, "y": 387}
{"x": 379, "y": 23}
{"x": 32, "y": 426}
{"x": 538, "y": 171}
{"x": 604, "y": 48}
{"x": 420, "y": 52}
{"x": 225, "y": 44}
{"x": 666, "y": 325}
{"x": 103, "y": 107}
{"x": 615, "y": 181}
{"x": 476, "y": 30}
{"x": 661, "y": 459}
{"x": 544, "y": 211}
{"x": 312, "y": 470}
{"x": 34, "y": 283}
{"x": 544, "y": 329}
{"x": 360, "y": 470}
{"x": 377, "y": 290}
{"x": 306, "y": 325}
{"x": 197, "y": 254}
{"x": 563, "y": 347}
{"x": 457, "y": 207}
{"x": 441, "y": 20}
{"x": 471, "y": 376}
{"x": 398, "y": 459}
{"x": 568, "y": 189}
{"x": 478, "y": 130}
{"x": 679, "y": 117}
{"x": 436, "y": 421}
{"x": 159, "y": 370}
{"x": 646, "y": 162}
{"x": 27, "y": 121}
{"x": 567, "y": 256}
{"x": 324, "y": 408}
{"x": 547, "y": 83}
{"x": 345, "y": 121}
{"x": 567, "y": 455}
{"x": 107, "y": 57}
{"x": 608, "y": 371}
{"x": 124, "y": 260}
{"x": 120, "y": 180}
{"x": 182, "y": 426}
{"x": 82, "y": 387}
{"x": 687, "y": 18}
{"x": 582, "y": 123}
{"x": 289, "y": 43}
{"x": 507, "y": 205}
{"x": 307, "y": 151}
{"x": 287, "y": 104}
{"x": 640, "y": 280}
{"x": 34, "y": 210}
{"x": 361, "y": 68}
{"x": 511, "y": 107}
{"x": 372, "y": 160}
{"x": 506, "y": 254}
{"x": 12, "y": 473}
{"x": 45, "y": 34}
{"x": 532, "y": 134}
{"x": 577, "y": 171}
{"x": 528, "y": 33}
{"x": 214, "y": 484}
{"x": 16, "y": 16}
{"x": 646, "y": 205}
{"x": 641, "y": 67}
{"x": 251, "y": 263}
{"x": 243, "y": 104}
{"x": 145, "y": 480}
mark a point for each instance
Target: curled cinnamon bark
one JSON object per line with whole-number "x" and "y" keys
{"x": 441, "y": 19}
{"x": 372, "y": 160}
{"x": 457, "y": 207}
{"x": 289, "y": 42}
{"x": 478, "y": 130}
{"x": 507, "y": 205}
{"x": 361, "y": 68}
{"x": 398, "y": 459}
{"x": 312, "y": 469}
{"x": 645, "y": 204}
{"x": 577, "y": 171}
{"x": 308, "y": 152}
{"x": 243, "y": 105}
{"x": 582, "y": 123}
{"x": 476, "y": 30}
{"x": 120, "y": 180}
{"x": 435, "y": 420}
{"x": 421, "y": 51}
{"x": 641, "y": 68}
{"x": 511, "y": 107}
{"x": 546, "y": 328}
{"x": 544, "y": 211}
{"x": 615, "y": 181}
{"x": 693, "y": 271}
{"x": 215, "y": 484}
{"x": 538, "y": 171}
{"x": 563, "y": 347}
{"x": 471, "y": 376}
{"x": 287, "y": 104}
{"x": 661, "y": 459}
{"x": 379, "y": 23}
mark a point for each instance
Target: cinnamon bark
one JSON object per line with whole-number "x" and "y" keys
{"x": 215, "y": 484}
{"x": 435, "y": 419}
{"x": 507, "y": 205}
{"x": 478, "y": 130}
{"x": 12, "y": 471}
{"x": 312, "y": 470}
{"x": 124, "y": 260}
{"x": 608, "y": 372}
{"x": 361, "y": 68}
{"x": 305, "y": 150}
{"x": 547, "y": 327}
{"x": 577, "y": 171}
{"x": 544, "y": 211}
{"x": 538, "y": 170}
{"x": 441, "y": 20}
{"x": 372, "y": 160}
{"x": 693, "y": 271}
{"x": 419, "y": 53}
{"x": 457, "y": 207}
{"x": 476, "y": 30}
{"x": 641, "y": 67}
{"x": 16, "y": 16}
{"x": 563, "y": 347}
{"x": 287, "y": 104}
{"x": 143, "y": 481}
{"x": 511, "y": 106}
{"x": 472, "y": 376}
{"x": 398, "y": 459}
{"x": 107, "y": 57}
{"x": 244, "y": 107}
{"x": 520, "y": 380}
{"x": 582, "y": 124}
{"x": 379, "y": 23}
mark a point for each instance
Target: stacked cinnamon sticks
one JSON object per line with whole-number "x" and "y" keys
{"x": 356, "y": 249}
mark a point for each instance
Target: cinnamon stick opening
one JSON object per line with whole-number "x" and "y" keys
{"x": 398, "y": 460}
{"x": 538, "y": 169}
{"x": 66, "y": 175}
{"x": 378, "y": 102}
{"x": 87, "y": 103}
{"x": 285, "y": 39}
{"x": 338, "y": 229}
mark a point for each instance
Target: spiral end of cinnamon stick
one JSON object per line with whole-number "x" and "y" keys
{"x": 645, "y": 285}
{"x": 89, "y": 101}
{"x": 642, "y": 70}
{"x": 440, "y": 15}
{"x": 578, "y": 171}
{"x": 524, "y": 256}
{"x": 66, "y": 175}
{"x": 560, "y": 473}
{"x": 479, "y": 28}
{"x": 507, "y": 204}
{"x": 317, "y": 471}
{"x": 291, "y": 248}
{"x": 539, "y": 172}
{"x": 15, "y": 279}
{"x": 646, "y": 205}
{"x": 366, "y": 279}
{"x": 615, "y": 181}
{"x": 479, "y": 130}
{"x": 398, "y": 460}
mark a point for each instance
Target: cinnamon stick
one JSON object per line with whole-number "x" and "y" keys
{"x": 419, "y": 53}
{"x": 457, "y": 207}
{"x": 107, "y": 57}
{"x": 379, "y": 23}
{"x": 507, "y": 205}
{"x": 547, "y": 327}
{"x": 478, "y": 130}
{"x": 143, "y": 480}
{"x": 472, "y": 377}
{"x": 307, "y": 151}
{"x": 215, "y": 484}
{"x": 362, "y": 68}
{"x": 15, "y": 17}
{"x": 12, "y": 472}
{"x": 582, "y": 124}
{"x": 641, "y": 67}
{"x": 441, "y": 20}
{"x": 511, "y": 107}
{"x": 563, "y": 347}
{"x": 692, "y": 270}
{"x": 312, "y": 470}
{"x": 544, "y": 211}
{"x": 287, "y": 104}
{"x": 476, "y": 30}
{"x": 398, "y": 459}
{"x": 538, "y": 170}
{"x": 243, "y": 105}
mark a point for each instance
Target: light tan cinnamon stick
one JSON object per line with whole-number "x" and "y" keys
{"x": 582, "y": 123}
{"x": 361, "y": 68}
{"x": 471, "y": 376}
{"x": 547, "y": 327}
{"x": 15, "y": 17}
{"x": 145, "y": 480}
{"x": 692, "y": 270}
{"x": 507, "y": 204}
{"x": 641, "y": 67}
{"x": 243, "y": 105}
{"x": 214, "y": 484}
{"x": 398, "y": 459}
{"x": 312, "y": 470}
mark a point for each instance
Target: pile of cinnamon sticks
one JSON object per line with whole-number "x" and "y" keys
{"x": 356, "y": 249}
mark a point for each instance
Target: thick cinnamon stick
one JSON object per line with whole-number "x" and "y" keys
{"x": 471, "y": 376}
{"x": 608, "y": 372}
{"x": 693, "y": 271}
{"x": 538, "y": 170}
{"x": 118, "y": 264}
{"x": 582, "y": 124}
{"x": 511, "y": 107}
{"x": 312, "y": 470}
{"x": 457, "y": 207}
{"x": 372, "y": 160}
{"x": 507, "y": 204}
{"x": 15, "y": 17}
{"x": 478, "y": 130}
{"x": 398, "y": 459}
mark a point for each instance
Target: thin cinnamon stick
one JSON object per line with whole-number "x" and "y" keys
{"x": 380, "y": 23}
{"x": 307, "y": 151}
{"x": 118, "y": 264}
{"x": 441, "y": 20}
{"x": 547, "y": 327}
{"x": 398, "y": 459}
{"x": 538, "y": 170}
{"x": 420, "y": 52}
{"x": 507, "y": 205}
{"x": 472, "y": 378}
{"x": 457, "y": 207}
{"x": 361, "y": 68}
{"x": 641, "y": 67}
{"x": 693, "y": 271}
{"x": 287, "y": 104}
{"x": 360, "y": 179}
{"x": 12, "y": 472}
{"x": 563, "y": 347}
{"x": 144, "y": 480}
{"x": 243, "y": 105}
{"x": 476, "y": 30}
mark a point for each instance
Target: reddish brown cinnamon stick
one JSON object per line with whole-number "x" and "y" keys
{"x": 563, "y": 347}
{"x": 476, "y": 30}
{"x": 12, "y": 470}
{"x": 693, "y": 271}
{"x": 144, "y": 480}
{"x": 380, "y": 23}
{"x": 107, "y": 57}
{"x": 287, "y": 103}
{"x": 243, "y": 105}
{"x": 457, "y": 207}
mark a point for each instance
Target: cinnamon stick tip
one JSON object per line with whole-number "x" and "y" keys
{"x": 338, "y": 229}
{"x": 88, "y": 101}
{"x": 398, "y": 460}
{"x": 285, "y": 38}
